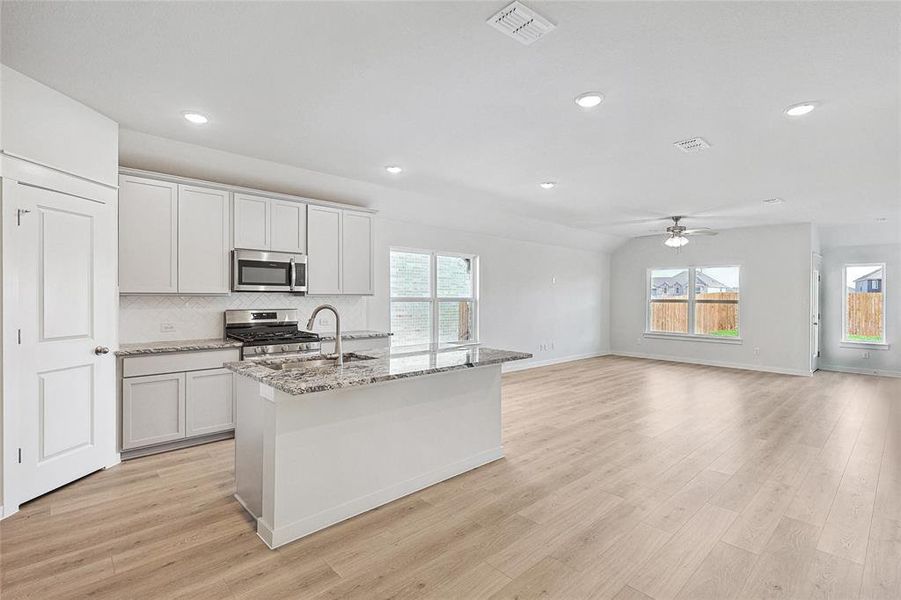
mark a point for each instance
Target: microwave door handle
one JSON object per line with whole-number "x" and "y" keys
{"x": 293, "y": 274}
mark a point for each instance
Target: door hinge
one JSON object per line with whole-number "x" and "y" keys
{"x": 19, "y": 336}
{"x": 19, "y": 213}
{"x": 20, "y": 456}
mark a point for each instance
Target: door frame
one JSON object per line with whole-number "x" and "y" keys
{"x": 14, "y": 170}
{"x": 816, "y": 311}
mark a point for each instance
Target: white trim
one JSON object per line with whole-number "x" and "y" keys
{"x": 58, "y": 170}
{"x": 687, "y": 337}
{"x": 240, "y": 189}
{"x": 865, "y": 345}
{"x": 524, "y": 365}
{"x": 860, "y": 371}
{"x": 715, "y": 363}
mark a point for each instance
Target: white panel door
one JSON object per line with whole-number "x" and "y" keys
{"x": 210, "y": 401}
{"x": 148, "y": 236}
{"x": 356, "y": 253}
{"x": 288, "y": 226}
{"x": 153, "y": 409}
{"x": 251, "y": 222}
{"x": 67, "y": 300}
{"x": 203, "y": 244}
{"x": 323, "y": 250}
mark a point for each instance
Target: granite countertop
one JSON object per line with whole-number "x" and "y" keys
{"x": 363, "y": 334}
{"x": 385, "y": 365}
{"x": 176, "y": 346}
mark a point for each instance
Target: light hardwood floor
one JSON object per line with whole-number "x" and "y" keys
{"x": 624, "y": 478}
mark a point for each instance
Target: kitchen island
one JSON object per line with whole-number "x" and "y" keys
{"x": 317, "y": 445}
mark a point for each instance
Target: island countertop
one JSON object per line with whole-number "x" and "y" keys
{"x": 384, "y": 365}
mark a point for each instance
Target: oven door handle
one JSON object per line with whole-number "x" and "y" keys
{"x": 293, "y": 273}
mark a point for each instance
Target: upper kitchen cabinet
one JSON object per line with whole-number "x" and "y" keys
{"x": 340, "y": 251}
{"x": 270, "y": 224}
{"x": 203, "y": 243}
{"x": 148, "y": 236}
{"x": 172, "y": 238}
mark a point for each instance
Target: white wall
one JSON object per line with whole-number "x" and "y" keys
{"x": 530, "y": 293}
{"x": 833, "y": 355}
{"x": 774, "y": 312}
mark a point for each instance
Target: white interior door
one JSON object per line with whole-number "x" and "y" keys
{"x": 67, "y": 292}
{"x": 815, "y": 327}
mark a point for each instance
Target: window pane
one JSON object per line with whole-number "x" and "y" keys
{"x": 411, "y": 323}
{"x": 410, "y": 277}
{"x": 865, "y": 303}
{"x": 455, "y": 322}
{"x": 669, "y": 301}
{"x": 716, "y": 301}
{"x": 454, "y": 277}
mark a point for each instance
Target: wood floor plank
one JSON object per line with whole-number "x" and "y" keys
{"x": 619, "y": 482}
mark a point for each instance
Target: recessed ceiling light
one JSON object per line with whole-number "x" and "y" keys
{"x": 774, "y": 201}
{"x": 881, "y": 219}
{"x": 196, "y": 118}
{"x": 799, "y": 110}
{"x": 589, "y": 99}
{"x": 394, "y": 169}
{"x": 548, "y": 184}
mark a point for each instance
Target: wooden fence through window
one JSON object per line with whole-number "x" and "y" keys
{"x": 865, "y": 314}
{"x": 715, "y": 313}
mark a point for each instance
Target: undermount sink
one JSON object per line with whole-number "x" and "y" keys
{"x": 314, "y": 362}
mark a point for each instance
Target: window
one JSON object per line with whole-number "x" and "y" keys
{"x": 864, "y": 304}
{"x": 433, "y": 297}
{"x": 710, "y": 310}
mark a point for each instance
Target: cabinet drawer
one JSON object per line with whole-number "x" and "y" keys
{"x": 174, "y": 362}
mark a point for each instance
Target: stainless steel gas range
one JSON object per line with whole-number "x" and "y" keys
{"x": 270, "y": 332}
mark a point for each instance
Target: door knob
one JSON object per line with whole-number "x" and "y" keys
{"x": 101, "y": 350}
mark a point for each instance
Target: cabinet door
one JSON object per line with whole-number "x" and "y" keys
{"x": 203, "y": 245}
{"x": 288, "y": 226}
{"x": 153, "y": 409}
{"x": 356, "y": 253}
{"x": 251, "y": 222}
{"x": 210, "y": 402}
{"x": 148, "y": 236}
{"x": 323, "y": 250}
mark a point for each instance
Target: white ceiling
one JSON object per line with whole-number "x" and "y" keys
{"x": 347, "y": 87}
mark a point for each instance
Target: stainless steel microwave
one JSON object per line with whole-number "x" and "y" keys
{"x": 255, "y": 271}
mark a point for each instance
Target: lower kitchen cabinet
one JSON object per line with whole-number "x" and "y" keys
{"x": 210, "y": 405}
{"x": 153, "y": 409}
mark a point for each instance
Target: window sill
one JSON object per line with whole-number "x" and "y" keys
{"x": 865, "y": 345}
{"x": 694, "y": 338}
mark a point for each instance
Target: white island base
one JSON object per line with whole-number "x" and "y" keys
{"x": 304, "y": 462}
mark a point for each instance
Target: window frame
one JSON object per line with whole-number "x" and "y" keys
{"x": 434, "y": 299}
{"x": 858, "y": 343}
{"x": 692, "y": 306}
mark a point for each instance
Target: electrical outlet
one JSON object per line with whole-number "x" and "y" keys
{"x": 167, "y": 327}
{"x": 866, "y": 354}
{"x": 324, "y": 321}
{"x": 756, "y": 351}
{"x": 552, "y": 345}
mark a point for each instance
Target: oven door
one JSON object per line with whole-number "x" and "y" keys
{"x": 254, "y": 271}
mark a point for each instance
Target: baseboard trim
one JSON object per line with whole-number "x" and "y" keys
{"x": 715, "y": 363}
{"x": 860, "y": 371}
{"x": 177, "y": 445}
{"x": 275, "y": 537}
{"x": 511, "y": 367}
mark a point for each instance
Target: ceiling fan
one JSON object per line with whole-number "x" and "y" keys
{"x": 676, "y": 233}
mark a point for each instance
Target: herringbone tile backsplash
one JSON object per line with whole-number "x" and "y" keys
{"x": 141, "y": 317}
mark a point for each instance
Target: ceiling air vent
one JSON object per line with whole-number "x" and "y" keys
{"x": 695, "y": 144}
{"x": 521, "y": 23}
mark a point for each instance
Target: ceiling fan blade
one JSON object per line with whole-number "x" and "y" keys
{"x": 704, "y": 231}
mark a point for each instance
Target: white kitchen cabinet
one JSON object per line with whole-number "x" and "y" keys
{"x": 323, "y": 250}
{"x": 210, "y": 402}
{"x": 148, "y": 236}
{"x": 251, "y": 222}
{"x": 270, "y": 224}
{"x": 153, "y": 409}
{"x": 340, "y": 251}
{"x": 203, "y": 242}
{"x": 356, "y": 253}
{"x": 288, "y": 226}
